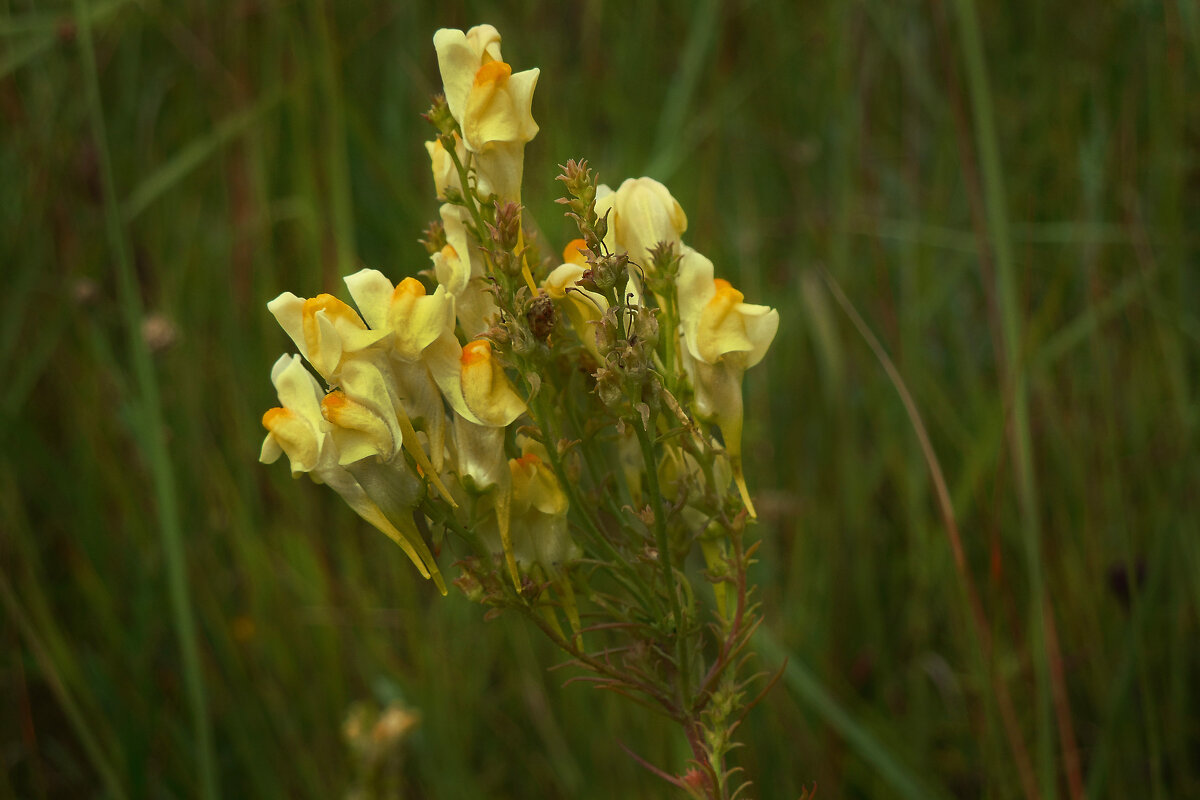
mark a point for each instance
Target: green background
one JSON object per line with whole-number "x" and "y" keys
{"x": 1009, "y": 195}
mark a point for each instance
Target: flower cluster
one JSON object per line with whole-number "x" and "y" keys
{"x": 420, "y": 406}
{"x": 416, "y": 404}
{"x": 545, "y": 419}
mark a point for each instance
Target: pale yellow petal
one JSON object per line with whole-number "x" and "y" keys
{"x": 486, "y": 389}
{"x": 498, "y": 170}
{"x": 458, "y": 60}
{"x": 294, "y": 436}
{"x": 417, "y": 319}
{"x": 372, "y": 293}
{"x": 482, "y": 463}
{"x": 297, "y": 388}
{"x": 288, "y": 310}
{"x": 644, "y": 214}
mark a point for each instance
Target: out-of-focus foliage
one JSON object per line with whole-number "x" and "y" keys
{"x": 1046, "y": 326}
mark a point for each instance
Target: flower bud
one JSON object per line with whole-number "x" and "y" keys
{"x": 541, "y": 316}
{"x": 440, "y": 117}
{"x": 507, "y": 229}
{"x": 578, "y": 179}
{"x": 435, "y": 238}
{"x": 600, "y": 226}
{"x": 645, "y": 330}
{"x": 608, "y": 331}
{"x": 604, "y": 272}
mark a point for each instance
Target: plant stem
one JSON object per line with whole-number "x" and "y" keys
{"x": 664, "y": 559}
{"x": 632, "y": 581}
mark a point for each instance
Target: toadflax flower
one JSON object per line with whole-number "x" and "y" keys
{"x": 723, "y": 337}
{"x": 299, "y": 430}
{"x": 416, "y": 322}
{"x": 459, "y": 268}
{"x": 324, "y": 329}
{"x": 484, "y": 404}
{"x": 492, "y": 105}
{"x": 642, "y": 213}
{"x": 582, "y": 307}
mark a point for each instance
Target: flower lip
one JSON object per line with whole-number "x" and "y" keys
{"x": 529, "y": 460}
{"x": 493, "y": 72}
{"x": 724, "y": 300}
{"x": 332, "y": 306}
{"x": 409, "y": 287}
{"x": 573, "y": 252}
{"x": 476, "y": 352}
{"x": 273, "y": 417}
{"x": 334, "y": 401}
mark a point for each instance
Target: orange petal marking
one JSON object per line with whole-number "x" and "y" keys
{"x": 572, "y": 254}
{"x": 274, "y": 417}
{"x": 529, "y": 460}
{"x": 409, "y": 287}
{"x": 476, "y": 352}
{"x": 492, "y": 72}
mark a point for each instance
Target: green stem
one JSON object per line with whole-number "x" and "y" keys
{"x": 666, "y": 321}
{"x": 631, "y": 582}
{"x": 467, "y": 195}
{"x": 664, "y": 559}
{"x": 589, "y": 461}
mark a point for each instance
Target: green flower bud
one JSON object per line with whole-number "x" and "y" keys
{"x": 440, "y": 117}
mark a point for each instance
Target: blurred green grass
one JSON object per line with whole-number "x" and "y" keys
{"x": 1025, "y": 248}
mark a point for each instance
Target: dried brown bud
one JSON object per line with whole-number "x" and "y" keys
{"x": 645, "y": 330}
{"x": 506, "y": 232}
{"x": 608, "y": 331}
{"x": 541, "y": 316}
{"x": 609, "y": 385}
{"x": 604, "y": 272}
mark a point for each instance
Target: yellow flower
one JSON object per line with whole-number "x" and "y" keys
{"x": 476, "y": 386}
{"x": 531, "y": 520}
{"x": 324, "y": 329}
{"x": 723, "y": 337}
{"x": 296, "y": 429}
{"x": 383, "y": 497}
{"x": 459, "y": 268}
{"x": 539, "y": 514}
{"x": 364, "y": 414}
{"x": 492, "y": 105}
{"x": 415, "y": 320}
{"x": 643, "y": 213}
{"x": 581, "y": 306}
{"x": 484, "y": 404}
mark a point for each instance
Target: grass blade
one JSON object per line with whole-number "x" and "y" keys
{"x": 1014, "y": 379}
{"x": 152, "y": 435}
{"x": 809, "y": 690}
{"x": 79, "y": 724}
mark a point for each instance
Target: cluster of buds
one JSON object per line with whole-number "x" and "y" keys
{"x": 544, "y": 423}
